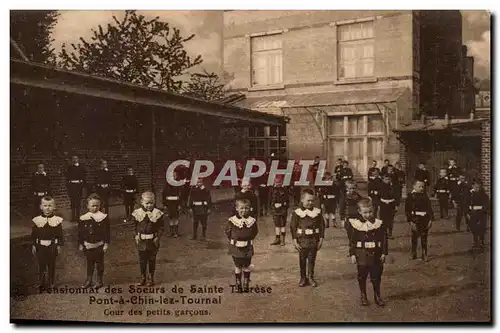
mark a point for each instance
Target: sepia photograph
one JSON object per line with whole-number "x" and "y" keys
{"x": 250, "y": 166}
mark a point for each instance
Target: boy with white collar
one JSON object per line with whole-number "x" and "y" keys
{"x": 241, "y": 230}
{"x": 247, "y": 192}
{"x": 308, "y": 231}
{"x": 148, "y": 221}
{"x": 40, "y": 187}
{"x": 103, "y": 185}
{"x": 200, "y": 204}
{"x": 47, "y": 239}
{"x": 93, "y": 239}
{"x": 368, "y": 249}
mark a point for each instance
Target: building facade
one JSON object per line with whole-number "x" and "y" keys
{"x": 345, "y": 79}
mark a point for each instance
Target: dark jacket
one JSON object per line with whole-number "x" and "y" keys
{"x": 368, "y": 240}
{"x": 280, "y": 200}
{"x": 241, "y": 232}
{"x": 146, "y": 224}
{"x": 47, "y": 228}
{"x": 307, "y": 227}
{"x": 199, "y": 200}
{"x": 93, "y": 228}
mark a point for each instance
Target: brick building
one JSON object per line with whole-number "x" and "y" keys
{"x": 346, "y": 79}
{"x": 56, "y": 114}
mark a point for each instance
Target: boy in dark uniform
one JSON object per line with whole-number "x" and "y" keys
{"x": 130, "y": 187}
{"x": 345, "y": 175}
{"x": 263, "y": 191}
{"x": 401, "y": 181}
{"x": 478, "y": 204}
{"x": 280, "y": 201}
{"x": 442, "y": 193}
{"x": 387, "y": 204}
{"x": 420, "y": 216}
{"x": 241, "y": 230}
{"x": 172, "y": 203}
{"x": 459, "y": 195}
{"x": 148, "y": 221}
{"x": 103, "y": 185}
{"x": 422, "y": 175}
{"x": 247, "y": 193}
{"x": 47, "y": 239}
{"x": 296, "y": 189}
{"x": 348, "y": 205}
{"x": 328, "y": 200}
{"x": 40, "y": 187}
{"x": 374, "y": 184}
{"x": 200, "y": 204}
{"x": 308, "y": 231}
{"x": 368, "y": 249}
{"x": 75, "y": 180}
{"x": 338, "y": 168}
{"x": 371, "y": 172}
{"x": 93, "y": 239}
{"x": 453, "y": 174}
{"x": 385, "y": 168}
{"x": 239, "y": 173}
{"x": 314, "y": 169}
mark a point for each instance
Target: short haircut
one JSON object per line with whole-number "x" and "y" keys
{"x": 386, "y": 161}
{"x": 386, "y": 176}
{"x": 340, "y": 159}
{"x": 364, "y": 203}
{"x": 47, "y": 198}
{"x": 307, "y": 191}
{"x": 418, "y": 181}
{"x": 327, "y": 174}
{"x": 147, "y": 194}
{"x": 443, "y": 169}
{"x": 350, "y": 183}
{"x": 374, "y": 161}
{"x": 242, "y": 201}
{"x": 345, "y": 162}
{"x": 129, "y": 167}
{"x": 93, "y": 196}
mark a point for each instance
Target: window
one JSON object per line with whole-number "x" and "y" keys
{"x": 357, "y": 138}
{"x": 267, "y": 63}
{"x": 273, "y": 131}
{"x": 257, "y": 148}
{"x": 263, "y": 141}
{"x": 256, "y": 132}
{"x": 355, "y": 50}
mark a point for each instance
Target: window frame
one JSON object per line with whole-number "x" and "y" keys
{"x": 279, "y": 85}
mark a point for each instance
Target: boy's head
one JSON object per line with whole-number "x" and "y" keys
{"x": 421, "y": 166}
{"x": 386, "y": 162}
{"x": 390, "y": 169}
{"x": 461, "y": 178}
{"x": 40, "y": 168}
{"x": 442, "y": 173}
{"x": 386, "y": 179}
{"x": 365, "y": 209}
{"x": 307, "y": 198}
{"x": 374, "y": 164}
{"x": 397, "y": 165}
{"x": 476, "y": 185}
{"x": 243, "y": 207}
{"x": 75, "y": 159}
{"x": 47, "y": 205}
{"x": 148, "y": 200}
{"x": 316, "y": 159}
{"x": 93, "y": 203}
{"x": 130, "y": 170}
{"x": 246, "y": 185}
{"x": 340, "y": 161}
{"x": 327, "y": 176}
{"x": 104, "y": 164}
{"x": 199, "y": 182}
{"x": 418, "y": 186}
{"x": 345, "y": 164}
{"x": 451, "y": 162}
{"x": 375, "y": 173}
{"x": 350, "y": 186}
{"x": 278, "y": 181}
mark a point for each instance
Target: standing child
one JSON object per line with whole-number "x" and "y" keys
{"x": 40, "y": 187}
{"x": 374, "y": 185}
{"x": 387, "y": 203}
{"x": 263, "y": 191}
{"x": 75, "y": 178}
{"x": 420, "y": 216}
{"x": 372, "y": 170}
{"x": 246, "y": 192}
{"x": 348, "y": 206}
{"x": 103, "y": 185}
{"x": 130, "y": 188}
{"x": 172, "y": 202}
{"x": 93, "y": 239}
{"x": 401, "y": 182}
{"x": 148, "y": 221}
{"x": 422, "y": 175}
{"x": 442, "y": 193}
{"x": 345, "y": 175}
{"x": 328, "y": 199}
{"x": 280, "y": 201}
{"x": 47, "y": 239}
{"x": 200, "y": 204}
{"x": 478, "y": 204}
{"x": 461, "y": 190}
{"x": 241, "y": 230}
{"x": 368, "y": 248}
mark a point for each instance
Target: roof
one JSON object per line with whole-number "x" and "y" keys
{"x": 31, "y": 74}
{"x": 438, "y": 125}
{"x": 350, "y": 97}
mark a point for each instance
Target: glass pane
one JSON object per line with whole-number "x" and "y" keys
{"x": 336, "y": 125}
{"x": 273, "y": 144}
{"x": 355, "y": 125}
{"x": 355, "y": 152}
{"x": 336, "y": 148}
{"x": 343, "y": 32}
{"x": 367, "y": 68}
{"x": 375, "y": 124}
{"x": 255, "y": 131}
{"x": 264, "y": 43}
{"x": 367, "y": 29}
{"x": 376, "y": 150}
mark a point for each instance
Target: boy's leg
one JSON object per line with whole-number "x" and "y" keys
{"x": 283, "y": 229}
{"x": 204, "y": 220}
{"x": 277, "y": 230}
{"x": 99, "y": 265}
{"x": 42, "y": 266}
{"x": 51, "y": 264}
{"x": 311, "y": 258}
{"x": 458, "y": 220}
{"x": 414, "y": 243}
{"x": 376, "y": 278}
{"x": 152, "y": 266}
{"x": 302, "y": 263}
{"x": 334, "y": 210}
{"x": 376, "y": 207}
{"x": 362, "y": 275}
{"x": 390, "y": 221}
{"x": 246, "y": 278}
{"x": 237, "y": 275}
{"x": 90, "y": 268}
{"x": 195, "y": 226}
{"x": 423, "y": 240}
{"x": 143, "y": 263}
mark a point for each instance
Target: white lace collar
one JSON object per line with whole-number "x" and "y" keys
{"x": 41, "y": 173}
{"x": 306, "y": 212}
{"x": 77, "y": 164}
{"x": 98, "y": 217}
{"x": 365, "y": 226}
{"x": 241, "y": 222}
{"x": 53, "y": 221}
{"x": 140, "y": 214}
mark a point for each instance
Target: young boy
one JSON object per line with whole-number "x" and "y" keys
{"x": 200, "y": 204}
{"x": 93, "y": 239}
{"x": 308, "y": 231}
{"x": 345, "y": 174}
{"x": 130, "y": 188}
{"x": 148, "y": 222}
{"x": 328, "y": 200}
{"x": 419, "y": 215}
{"x": 478, "y": 204}
{"x": 103, "y": 185}
{"x": 401, "y": 181}
{"x": 442, "y": 193}
{"x": 348, "y": 205}
{"x": 461, "y": 189}
{"x": 280, "y": 201}
{"x": 40, "y": 187}
{"x": 172, "y": 203}
{"x": 374, "y": 185}
{"x": 385, "y": 168}
{"x": 47, "y": 239}
{"x": 247, "y": 193}
{"x": 387, "y": 204}
{"x": 75, "y": 178}
{"x": 422, "y": 175}
{"x": 368, "y": 249}
{"x": 372, "y": 170}
{"x": 296, "y": 189}
{"x": 263, "y": 191}
{"x": 241, "y": 230}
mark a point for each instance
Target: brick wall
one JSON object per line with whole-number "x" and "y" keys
{"x": 303, "y": 135}
{"x": 486, "y": 155}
